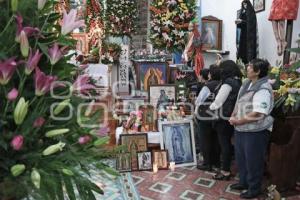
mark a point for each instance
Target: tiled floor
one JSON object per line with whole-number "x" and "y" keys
{"x": 187, "y": 183}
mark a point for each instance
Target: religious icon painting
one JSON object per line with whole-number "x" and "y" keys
{"x": 178, "y": 138}
{"x": 133, "y": 144}
{"x": 160, "y": 158}
{"x": 211, "y": 33}
{"x": 259, "y": 5}
{"x": 144, "y": 161}
{"x": 123, "y": 162}
{"x": 162, "y": 95}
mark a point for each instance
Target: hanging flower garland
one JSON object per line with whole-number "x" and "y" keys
{"x": 121, "y": 17}
{"x": 169, "y": 23}
{"x": 94, "y": 21}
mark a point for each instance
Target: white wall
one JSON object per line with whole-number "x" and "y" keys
{"x": 226, "y": 11}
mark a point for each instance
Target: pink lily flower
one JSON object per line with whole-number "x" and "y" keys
{"x": 55, "y": 53}
{"x": 7, "y": 69}
{"x": 33, "y": 60}
{"x": 29, "y": 31}
{"x": 84, "y": 139}
{"x": 69, "y": 22}
{"x": 38, "y": 122}
{"x": 81, "y": 85}
{"x": 13, "y": 94}
{"x": 42, "y": 82}
{"x": 17, "y": 142}
{"x": 103, "y": 131}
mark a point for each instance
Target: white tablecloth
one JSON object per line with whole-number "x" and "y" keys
{"x": 153, "y": 137}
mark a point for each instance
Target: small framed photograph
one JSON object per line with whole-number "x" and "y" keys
{"x": 161, "y": 95}
{"x": 178, "y": 138}
{"x": 144, "y": 161}
{"x": 160, "y": 157}
{"x": 127, "y": 105}
{"x": 259, "y": 5}
{"x": 123, "y": 162}
{"x": 211, "y": 33}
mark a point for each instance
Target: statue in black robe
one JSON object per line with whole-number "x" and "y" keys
{"x": 248, "y": 33}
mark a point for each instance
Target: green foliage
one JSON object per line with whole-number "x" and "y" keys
{"x": 72, "y": 156}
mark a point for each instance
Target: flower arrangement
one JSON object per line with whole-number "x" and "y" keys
{"x": 169, "y": 23}
{"x": 121, "y": 16}
{"x": 45, "y": 149}
{"x": 134, "y": 121}
{"x": 110, "y": 53}
{"x": 94, "y": 20}
{"x": 286, "y": 83}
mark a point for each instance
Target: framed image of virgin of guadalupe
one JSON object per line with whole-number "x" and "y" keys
{"x": 211, "y": 33}
{"x": 150, "y": 73}
{"x": 178, "y": 138}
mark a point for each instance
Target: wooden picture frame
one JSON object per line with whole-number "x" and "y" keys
{"x": 259, "y": 5}
{"x": 134, "y": 142}
{"x": 162, "y": 94}
{"x": 82, "y": 44}
{"x": 144, "y": 159}
{"x": 149, "y": 118}
{"x": 211, "y": 33}
{"x": 178, "y": 138}
{"x": 123, "y": 162}
{"x": 150, "y": 73}
{"x": 161, "y": 158}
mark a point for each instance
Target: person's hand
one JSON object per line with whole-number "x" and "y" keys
{"x": 234, "y": 121}
{"x": 238, "y": 21}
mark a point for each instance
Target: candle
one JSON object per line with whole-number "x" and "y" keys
{"x": 172, "y": 166}
{"x": 155, "y": 169}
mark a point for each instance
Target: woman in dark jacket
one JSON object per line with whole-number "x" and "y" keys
{"x": 209, "y": 141}
{"x": 224, "y": 104}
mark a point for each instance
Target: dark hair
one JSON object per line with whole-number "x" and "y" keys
{"x": 215, "y": 72}
{"x": 260, "y": 65}
{"x": 204, "y": 73}
{"x": 229, "y": 69}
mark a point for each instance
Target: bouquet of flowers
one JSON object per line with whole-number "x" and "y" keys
{"x": 121, "y": 17}
{"x": 286, "y": 82}
{"x": 134, "y": 121}
{"x": 46, "y": 146}
{"x": 169, "y": 23}
{"x": 110, "y": 53}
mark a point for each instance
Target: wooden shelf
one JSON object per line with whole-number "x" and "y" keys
{"x": 223, "y": 53}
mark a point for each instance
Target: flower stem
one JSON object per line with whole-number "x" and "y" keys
{"x": 7, "y": 25}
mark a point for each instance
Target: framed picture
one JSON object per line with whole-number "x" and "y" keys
{"x": 259, "y": 5}
{"x": 82, "y": 44}
{"x": 123, "y": 162}
{"x": 144, "y": 161}
{"x": 134, "y": 143}
{"x": 178, "y": 138}
{"x": 211, "y": 33}
{"x": 149, "y": 118}
{"x": 160, "y": 157}
{"x": 150, "y": 73}
{"x": 129, "y": 104}
{"x": 137, "y": 141}
{"x": 160, "y": 95}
